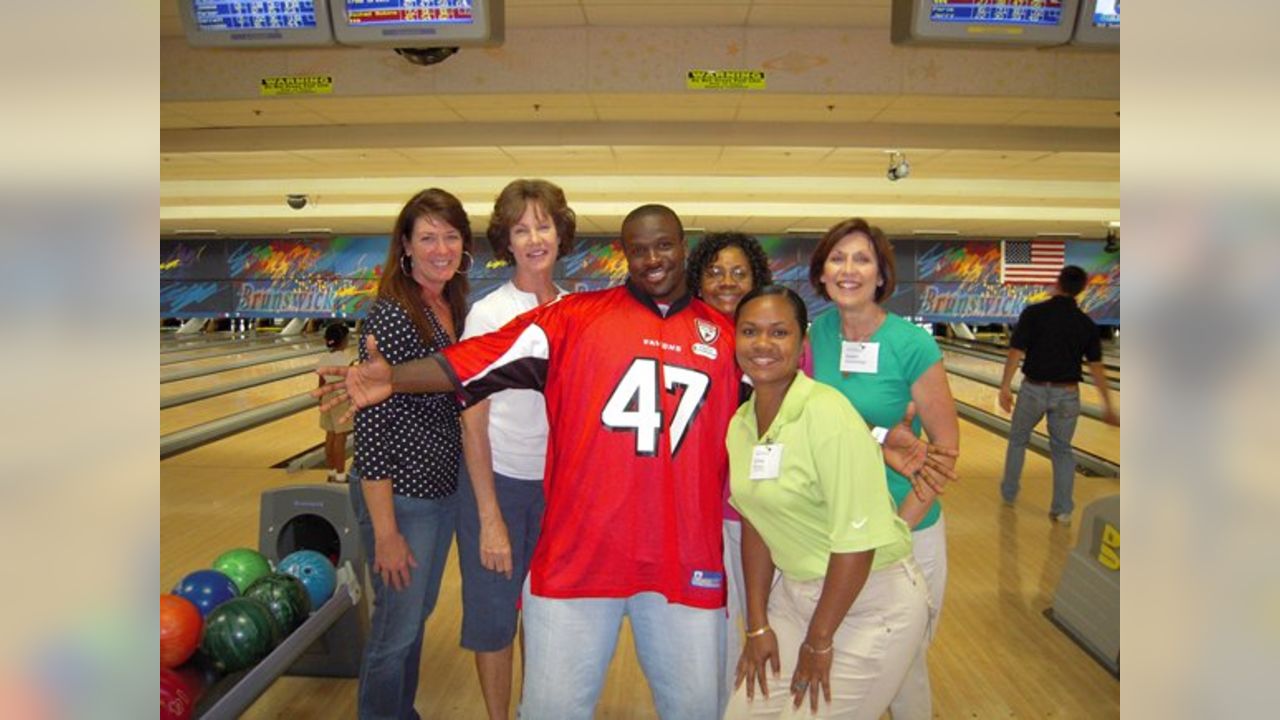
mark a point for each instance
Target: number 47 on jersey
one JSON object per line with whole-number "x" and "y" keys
{"x": 634, "y": 403}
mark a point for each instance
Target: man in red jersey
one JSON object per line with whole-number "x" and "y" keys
{"x": 640, "y": 384}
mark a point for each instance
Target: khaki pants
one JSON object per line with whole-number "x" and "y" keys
{"x": 874, "y": 645}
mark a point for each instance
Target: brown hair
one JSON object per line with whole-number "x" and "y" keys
{"x": 401, "y": 288}
{"x": 511, "y": 203}
{"x": 880, "y": 245}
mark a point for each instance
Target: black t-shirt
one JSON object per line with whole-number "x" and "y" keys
{"x": 1055, "y": 335}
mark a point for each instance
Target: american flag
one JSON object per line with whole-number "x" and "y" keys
{"x": 1031, "y": 261}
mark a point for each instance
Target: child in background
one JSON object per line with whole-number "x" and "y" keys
{"x": 335, "y": 437}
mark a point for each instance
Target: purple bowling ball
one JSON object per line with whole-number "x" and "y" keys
{"x": 206, "y": 589}
{"x": 315, "y": 571}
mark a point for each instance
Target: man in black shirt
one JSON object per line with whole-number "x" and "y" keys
{"x": 1053, "y": 336}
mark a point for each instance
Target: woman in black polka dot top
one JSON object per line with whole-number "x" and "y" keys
{"x": 408, "y": 449}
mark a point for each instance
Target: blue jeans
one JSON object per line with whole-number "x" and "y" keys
{"x": 1062, "y": 405}
{"x": 389, "y": 672}
{"x": 569, "y": 643}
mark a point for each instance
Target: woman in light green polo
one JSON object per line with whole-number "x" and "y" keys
{"x": 844, "y": 622}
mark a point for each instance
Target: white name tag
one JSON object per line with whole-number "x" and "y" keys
{"x": 766, "y": 461}
{"x": 859, "y": 357}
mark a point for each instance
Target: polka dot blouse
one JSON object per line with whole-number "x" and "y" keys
{"x": 413, "y": 439}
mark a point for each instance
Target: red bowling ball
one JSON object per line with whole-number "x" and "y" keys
{"x": 180, "y": 626}
{"x": 177, "y": 700}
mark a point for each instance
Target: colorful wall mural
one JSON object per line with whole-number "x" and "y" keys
{"x": 938, "y": 281}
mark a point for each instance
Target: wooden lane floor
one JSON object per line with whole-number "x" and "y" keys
{"x": 995, "y": 655}
{"x": 260, "y": 447}
{"x": 180, "y": 387}
{"x": 184, "y": 416}
{"x": 1092, "y": 436}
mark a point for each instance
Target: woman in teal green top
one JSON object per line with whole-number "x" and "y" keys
{"x": 881, "y": 363}
{"x": 848, "y": 615}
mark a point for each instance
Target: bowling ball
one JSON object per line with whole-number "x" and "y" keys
{"x": 177, "y": 699}
{"x": 285, "y": 596}
{"x": 206, "y": 589}
{"x": 180, "y": 625}
{"x": 238, "y": 633}
{"x": 315, "y": 571}
{"x": 243, "y": 566}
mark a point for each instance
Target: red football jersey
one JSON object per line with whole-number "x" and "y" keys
{"x": 638, "y": 405}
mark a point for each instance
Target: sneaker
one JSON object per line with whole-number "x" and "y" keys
{"x": 1007, "y": 502}
{"x": 332, "y": 477}
{"x": 338, "y": 478}
{"x": 1064, "y": 518}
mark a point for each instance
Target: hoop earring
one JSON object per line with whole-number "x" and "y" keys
{"x": 406, "y": 267}
{"x": 471, "y": 262}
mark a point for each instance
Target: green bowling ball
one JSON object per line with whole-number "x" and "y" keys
{"x": 243, "y": 566}
{"x": 238, "y": 633}
{"x": 285, "y": 596}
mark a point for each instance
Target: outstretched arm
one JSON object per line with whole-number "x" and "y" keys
{"x": 373, "y": 380}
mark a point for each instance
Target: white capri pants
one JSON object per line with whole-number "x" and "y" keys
{"x": 915, "y": 698}
{"x": 874, "y": 645}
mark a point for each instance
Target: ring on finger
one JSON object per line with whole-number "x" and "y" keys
{"x": 800, "y": 686}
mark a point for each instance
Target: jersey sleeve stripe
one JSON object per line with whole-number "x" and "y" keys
{"x": 522, "y": 367}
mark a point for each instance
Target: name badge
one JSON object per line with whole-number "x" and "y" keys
{"x": 766, "y": 461}
{"x": 859, "y": 357}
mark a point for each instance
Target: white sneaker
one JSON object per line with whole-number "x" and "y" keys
{"x": 337, "y": 477}
{"x": 1064, "y": 518}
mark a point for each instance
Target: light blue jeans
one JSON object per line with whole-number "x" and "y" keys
{"x": 389, "y": 671}
{"x": 1062, "y": 406}
{"x": 569, "y": 643}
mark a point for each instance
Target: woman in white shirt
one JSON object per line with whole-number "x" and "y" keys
{"x": 505, "y": 439}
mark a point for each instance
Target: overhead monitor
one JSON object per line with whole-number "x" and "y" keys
{"x": 275, "y": 23}
{"x": 983, "y": 22}
{"x": 1098, "y": 25}
{"x": 418, "y": 23}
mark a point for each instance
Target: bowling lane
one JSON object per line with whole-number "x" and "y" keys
{"x": 258, "y": 448}
{"x": 213, "y": 363}
{"x": 993, "y": 370}
{"x": 206, "y": 381}
{"x": 184, "y": 356}
{"x": 1092, "y": 436}
{"x": 184, "y": 416}
{"x": 996, "y": 355}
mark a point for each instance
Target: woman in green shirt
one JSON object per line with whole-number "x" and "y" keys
{"x": 882, "y": 363}
{"x": 849, "y": 613}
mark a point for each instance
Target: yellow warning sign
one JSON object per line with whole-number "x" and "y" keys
{"x": 296, "y": 85}
{"x": 724, "y": 80}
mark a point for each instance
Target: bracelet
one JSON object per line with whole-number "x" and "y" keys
{"x": 809, "y": 647}
{"x": 759, "y": 632}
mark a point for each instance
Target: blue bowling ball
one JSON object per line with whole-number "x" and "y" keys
{"x": 206, "y": 589}
{"x": 315, "y": 571}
